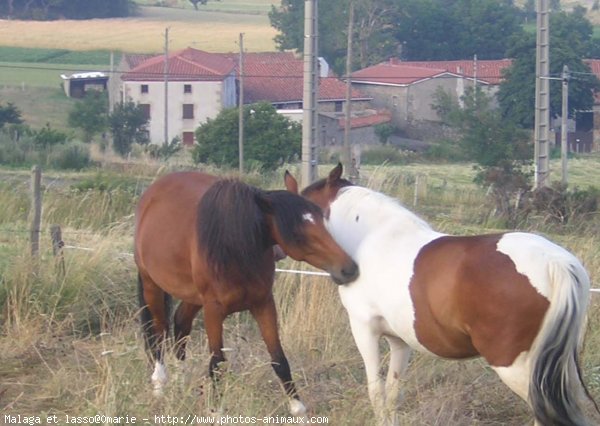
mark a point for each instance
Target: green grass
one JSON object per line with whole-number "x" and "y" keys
{"x": 54, "y": 56}
{"x": 39, "y": 75}
{"x": 40, "y": 105}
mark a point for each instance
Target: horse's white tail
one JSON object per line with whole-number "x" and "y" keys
{"x": 556, "y": 388}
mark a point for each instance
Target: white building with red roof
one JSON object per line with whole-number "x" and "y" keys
{"x": 200, "y": 85}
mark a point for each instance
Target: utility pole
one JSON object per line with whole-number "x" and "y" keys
{"x": 542, "y": 95}
{"x": 309, "y": 102}
{"x": 241, "y": 107}
{"x": 166, "y": 77}
{"x": 347, "y": 152}
{"x": 475, "y": 79}
{"x": 564, "y": 137}
{"x": 111, "y": 84}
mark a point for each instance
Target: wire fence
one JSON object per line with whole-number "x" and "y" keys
{"x": 58, "y": 244}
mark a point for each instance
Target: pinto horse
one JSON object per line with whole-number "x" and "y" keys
{"x": 516, "y": 299}
{"x": 209, "y": 242}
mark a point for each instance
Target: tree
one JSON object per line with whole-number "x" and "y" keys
{"x": 269, "y": 137}
{"x": 70, "y": 9}
{"x": 374, "y": 25}
{"x": 195, "y": 3}
{"x": 127, "y": 124}
{"x": 457, "y": 29}
{"x": 570, "y": 35}
{"x": 501, "y": 150}
{"x": 10, "y": 114}
{"x": 90, "y": 114}
{"x": 47, "y": 137}
{"x": 413, "y": 29}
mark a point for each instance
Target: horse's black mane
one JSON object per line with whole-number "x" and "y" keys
{"x": 289, "y": 209}
{"x": 233, "y": 230}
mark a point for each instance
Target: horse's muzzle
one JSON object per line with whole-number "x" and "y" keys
{"x": 347, "y": 274}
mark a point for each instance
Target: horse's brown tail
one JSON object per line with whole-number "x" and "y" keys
{"x": 151, "y": 340}
{"x": 556, "y": 387}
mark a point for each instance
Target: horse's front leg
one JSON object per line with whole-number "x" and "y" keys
{"x": 154, "y": 302}
{"x": 266, "y": 317}
{"x": 183, "y": 320}
{"x": 367, "y": 342}
{"x": 399, "y": 357}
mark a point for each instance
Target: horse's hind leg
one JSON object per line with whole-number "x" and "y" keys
{"x": 155, "y": 324}
{"x": 184, "y": 317}
{"x": 266, "y": 317}
{"x": 517, "y": 376}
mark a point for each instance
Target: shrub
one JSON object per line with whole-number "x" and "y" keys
{"x": 73, "y": 155}
{"x": 270, "y": 139}
{"x": 561, "y": 205}
{"x": 445, "y": 150}
{"x": 164, "y": 151}
{"x": 386, "y": 154}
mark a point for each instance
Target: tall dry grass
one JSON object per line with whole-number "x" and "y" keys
{"x": 71, "y": 344}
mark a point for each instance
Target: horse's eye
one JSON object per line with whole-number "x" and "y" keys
{"x": 356, "y": 218}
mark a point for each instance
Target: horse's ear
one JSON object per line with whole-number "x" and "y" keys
{"x": 336, "y": 173}
{"x": 291, "y": 184}
{"x": 263, "y": 202}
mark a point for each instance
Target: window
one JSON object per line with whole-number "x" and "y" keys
{"x": 188, "y": 138}
{"x": 144, "y": 88}
{"x": 187, "y": 88}
{"x": 188, "y": 111}
{"x": 146, "y": 109}
{"x": 339, "y": 106}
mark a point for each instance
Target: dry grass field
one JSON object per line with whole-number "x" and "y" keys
{"x": 71, "y": 345}
{"x": 210, "y": 30}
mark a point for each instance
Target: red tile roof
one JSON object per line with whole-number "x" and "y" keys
{"x": 367, "y": 120}
{"x": 184, "y": 65}
{"x": 398, "y": 72}
{"x": 134, "y": 59}
{"x": 275, "y": 77}
{"x": 278, "y": 77}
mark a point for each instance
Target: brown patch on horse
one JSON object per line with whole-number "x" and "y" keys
{"x": 470, "y": 300}
{"x": 323, "y": 191}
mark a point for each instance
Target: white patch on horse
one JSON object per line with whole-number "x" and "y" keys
{"x": 531, "y": 255}
{"x": 308, "y": 217}
{"x": 159, "y": 378}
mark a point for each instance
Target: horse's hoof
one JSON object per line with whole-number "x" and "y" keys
{"x": 297, "y": 408}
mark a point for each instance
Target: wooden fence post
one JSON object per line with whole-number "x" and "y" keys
{"x": 57, "y": 249}
{"x": 416, "y": 194}
{"x": 36, "y": 209}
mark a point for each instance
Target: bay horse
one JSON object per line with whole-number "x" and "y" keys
{"x": 515, "y": 299}
{"x": 209, "y": 242}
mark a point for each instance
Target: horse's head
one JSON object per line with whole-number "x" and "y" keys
{"x": 321, "y": 192}
{"x": 297, "y": 226}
